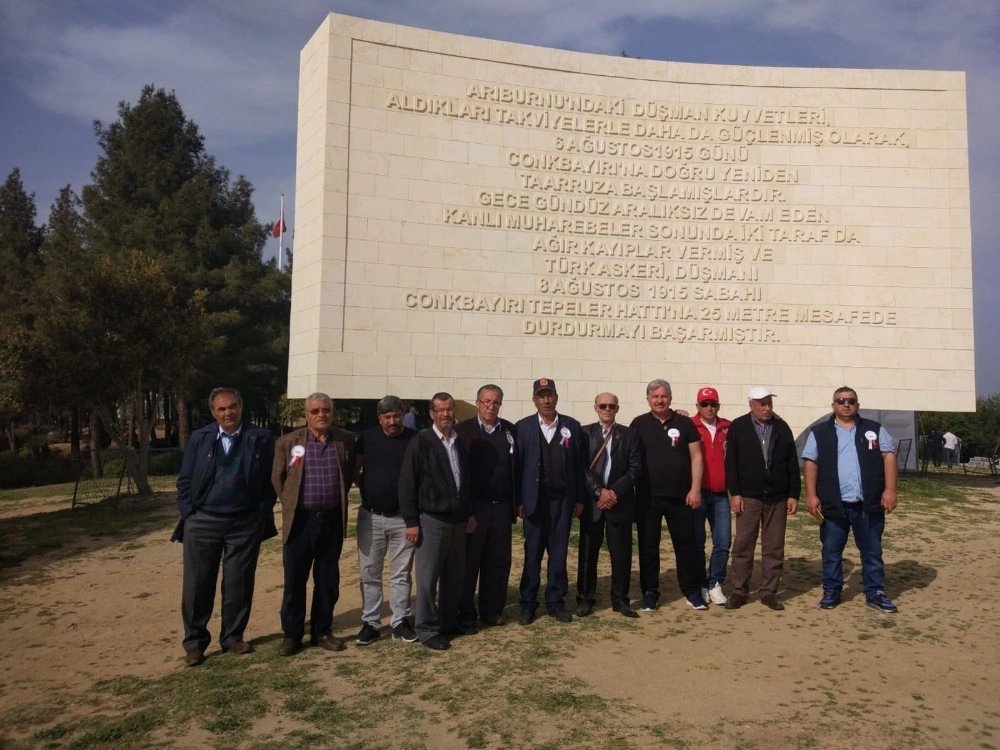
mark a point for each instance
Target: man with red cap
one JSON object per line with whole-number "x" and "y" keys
{"x": 714, "y": 507}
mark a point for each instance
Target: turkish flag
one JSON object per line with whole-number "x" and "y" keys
{"x": 279, "y": 226}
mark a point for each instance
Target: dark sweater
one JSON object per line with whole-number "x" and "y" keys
{"x": 426, "y": 484}
{"x": 383, "y": 458}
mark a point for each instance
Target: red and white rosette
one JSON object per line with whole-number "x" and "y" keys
{"x": 298, "y": 451}
{"x": 565, "y": 436}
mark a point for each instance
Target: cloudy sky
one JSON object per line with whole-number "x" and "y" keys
{"x": 234, "y": 64}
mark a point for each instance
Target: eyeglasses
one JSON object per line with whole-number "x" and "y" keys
{"x": 314, "y": 412}
{"x": 445, "y": 410}
{"x": 605, "y": 407}
{"x": 842, "y": 401}
{"x": 708, "y": 404}
{"x": 490, "y": 404}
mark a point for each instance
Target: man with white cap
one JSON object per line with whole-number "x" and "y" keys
{"x": 762, "y": 473}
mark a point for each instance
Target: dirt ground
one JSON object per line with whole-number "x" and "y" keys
{"x": 107, "y": 607}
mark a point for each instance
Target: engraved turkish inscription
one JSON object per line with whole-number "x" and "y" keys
{"x": 652, "y": 220}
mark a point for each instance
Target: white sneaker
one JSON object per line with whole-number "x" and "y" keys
{"x": 704, "y": 594}
{"x": 715, "y": 594}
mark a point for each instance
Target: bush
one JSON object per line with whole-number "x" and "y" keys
{"x": 23, "y": 471}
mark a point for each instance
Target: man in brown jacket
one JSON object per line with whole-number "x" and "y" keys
{"x": 312, "y": 475}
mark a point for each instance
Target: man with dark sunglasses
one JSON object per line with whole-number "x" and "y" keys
{"x": 613, "y": 468}
{"x": 714, "y": 507}
{"x": 850, "y": 473}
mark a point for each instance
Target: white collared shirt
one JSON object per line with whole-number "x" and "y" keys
{"x": 227, "y": 439}
{"x": 486, "y": 428}
{"x": 607, "y": 450}
{"x": 452, "y": 451}
{"x": 548, "y": 430}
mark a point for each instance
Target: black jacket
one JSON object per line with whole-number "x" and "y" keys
{"x": 426, "y": 484}
{"x": 626, "y": 467}
{"x": 746, "y": 473}
{"x": 198, "y": 468}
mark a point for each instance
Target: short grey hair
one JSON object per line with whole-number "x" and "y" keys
{"x": 658, "y": 383}
{"x": 388, "y": 404}
{"x": 319, "y": 397}
{"x": 217, "y": 391}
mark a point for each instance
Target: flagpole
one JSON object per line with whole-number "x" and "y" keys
{"x": 281, "y": 232}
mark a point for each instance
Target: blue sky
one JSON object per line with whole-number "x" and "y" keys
{"x": 234, "y": 65}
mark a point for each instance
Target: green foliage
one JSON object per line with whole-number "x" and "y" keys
{"x": 18, "y": 470}
{"x": 978, "y": 430}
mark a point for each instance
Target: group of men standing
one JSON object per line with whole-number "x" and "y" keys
{"x": 443, "y": 502}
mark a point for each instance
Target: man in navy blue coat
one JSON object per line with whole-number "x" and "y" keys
{"x": 549, "y": 492}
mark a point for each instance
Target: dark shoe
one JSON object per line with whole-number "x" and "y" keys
{"x": 239, "y": 647}
{"x": 736, "y": 600}
{"x": 583, "y": 609}
{"x": 328, "y": 642}
{"x": 831, "y": 598}
{"x": 437, "y": 643}
{"x": 881, "y": 602}
{"x": 627, "y": 611}
{"x": 696, "y": 601}
{"x": 561, "y": 615}
{"x": 464, "y": 628}
{"x": 493, "y": 620}
{"x": 527, "y": 616}
{"x": 771, "y": 601}
{"x": 367, "y": 635}
{"x": 650, "y": 601}
{"x": 289, "y": 647}
{"x": 194, "y": 657}
{"x": 404, "y": 632}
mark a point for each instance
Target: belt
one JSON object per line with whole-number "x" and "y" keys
{"x": 380, "y": 513}
{"x": 334, "y": 513}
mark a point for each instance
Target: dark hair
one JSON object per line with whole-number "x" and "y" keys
{"x": 490, "y": 387}
{"x": 216, "y": 391}
{"x": 388, "y": 404}
{"x": 441, "y": 396}
{"x": 845, "y": 389}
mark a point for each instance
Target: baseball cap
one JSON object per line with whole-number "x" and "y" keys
{"x": 707, "y": 394}
{"x": 543, "y": 384}
{"x": 758, "y": 392}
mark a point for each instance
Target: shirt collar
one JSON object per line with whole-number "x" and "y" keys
{"x": 223, "y": 433}
{"x": 555, "y": 422}
{"x": 441, "y": 437}
{"x": 484, "y": 428}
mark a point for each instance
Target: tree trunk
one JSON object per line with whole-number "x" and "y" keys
{"x": 168, "y": 418}
{"x": 74, "y": 434}
{"x": 96, "y": 430}
{"x": 183, "y": 422}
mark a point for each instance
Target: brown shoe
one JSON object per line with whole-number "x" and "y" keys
{"x": 771, "y": 601}
{"x": 289, "y": 647}
{"x": 239, "y": 647}
{"x": 194, "y": 657}
{"x": 328, "y": 642}
{"x": 736, "y": 600}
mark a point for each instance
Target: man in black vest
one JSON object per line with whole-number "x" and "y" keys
{"x": 850, "y": 473}
{"x": 549, "y": 492}
{"x": 490, "y": 442}
{"x": 226, "y": 501}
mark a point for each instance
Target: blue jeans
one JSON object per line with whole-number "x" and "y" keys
{"x": 715, "y": 509}
{"x": 867, "y": 527}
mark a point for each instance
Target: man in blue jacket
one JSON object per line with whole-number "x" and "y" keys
{"x": 850, "y": 472}
{"x": 226, "y": 501}
{"x": 549, "y": 492}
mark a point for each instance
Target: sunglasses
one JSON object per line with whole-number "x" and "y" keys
{"x": 842, "y": 401}
{"x": 605, "y": 407}
{"x": 708, "y": 404}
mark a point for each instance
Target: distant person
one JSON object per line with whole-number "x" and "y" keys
{"x": 226, "y": 502}
{"x": 851, "y": 472}
{"x": 935, "y": 447}
{"x": 381, "y": 531}
{"x": 410, "y": 420}
{"x": 762, "y": 473}
{"x": 435, "y": 499}
{"x": 552, "y": 454}
{"x": 490, "y": 442}
{"x": 713, "y": 431}
{"x": 613, "y": 468}
{"x": 312, "y": 473}
{"x": 951, "y": 443}
{"x": 669, "y": 488}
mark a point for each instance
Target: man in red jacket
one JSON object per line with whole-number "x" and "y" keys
{"x": 714, "y": 507}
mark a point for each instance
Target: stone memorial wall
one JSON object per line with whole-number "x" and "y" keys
{"x": 472, "y": 211}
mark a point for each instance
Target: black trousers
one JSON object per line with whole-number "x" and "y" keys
{"x": 315, "y": 542}
{"x": 680, "y": 523}
{"x": 618, "y": 531}
{"x": 546, "y": 530}
{"x": 233, "y": 541}
{"x": 487, "y": 562}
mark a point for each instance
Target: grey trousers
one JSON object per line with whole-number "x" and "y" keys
{"x": 377, "y": 536}
{"x": 208, "y": 540}
{"x": 440, "y": 569}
